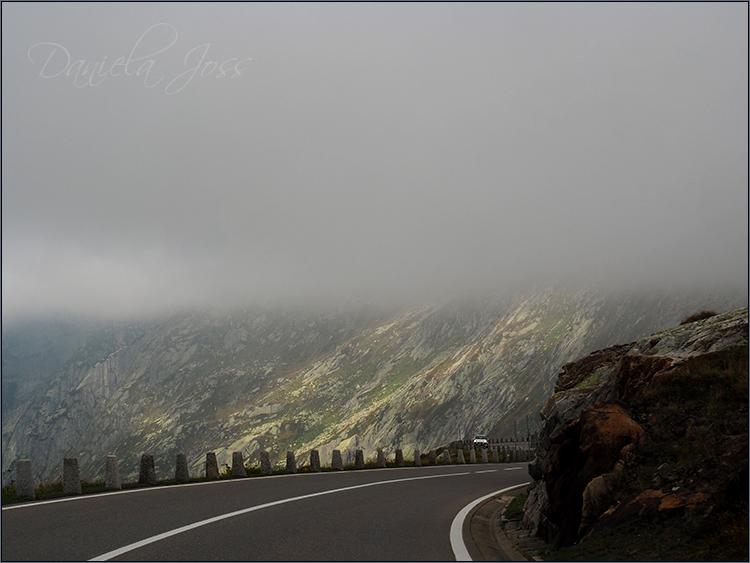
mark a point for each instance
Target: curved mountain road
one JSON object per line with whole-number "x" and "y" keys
{"x": 372, "y": 515}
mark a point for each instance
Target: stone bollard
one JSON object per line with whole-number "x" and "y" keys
{"x": 181, "y": 474}
{"x": 417, "y": 459}
{"x": 212, "y": 466}
{"x": 359, "y": 459}
{"x": 484, "y": 456}
{"x": 472, "y": 455}
{"x": 147, "y": 473}
{"x": 291, "y": 464}
{"x": 238, "y": 465}
{"x": 112, "y": 474}
{"x": 24, "y": 479}
{"x": 71, "y": 477}
{"x": 337, "y": 464}
{"x": 314, "y": 461}
{"x": 265, "y": 463}
{"x": 460, "y": 457}
{"x": 399, "y": 458}
{"x": 446, "y": 457}
{"x": 495, "y": 457}
{"x": 381, "y": 458}
{"x": 431, "y": 458}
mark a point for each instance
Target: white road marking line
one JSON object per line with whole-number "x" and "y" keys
{"x": 512, "y": 468}
{"x": 457, "y": 527}
{"x": 128, "y": 491}
{"x": 202, "y": 483}
{"x": 486, "y": 471}
{"x": 130, "y": 547}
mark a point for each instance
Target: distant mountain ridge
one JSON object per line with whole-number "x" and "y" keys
{"x": 277, "y": 379}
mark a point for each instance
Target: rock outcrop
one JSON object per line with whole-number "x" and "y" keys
{"x": 588, "y": 436}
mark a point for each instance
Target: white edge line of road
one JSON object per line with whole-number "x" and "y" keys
{"x": 202, "y": 483}
{"x": 33, "y": 504}
{"x": 457, "y": 527}
{"x": 130, "y": 547}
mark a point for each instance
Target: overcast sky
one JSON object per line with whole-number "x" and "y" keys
{"x": 367, "y": 149}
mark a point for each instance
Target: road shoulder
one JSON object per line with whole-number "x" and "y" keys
{"x": 490, "y": 541}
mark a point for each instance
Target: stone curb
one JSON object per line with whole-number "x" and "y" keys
{"x": 487, "y": 541}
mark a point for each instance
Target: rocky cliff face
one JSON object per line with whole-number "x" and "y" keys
{"x": 588, "y": 434}
{"x": 279, "y": 379}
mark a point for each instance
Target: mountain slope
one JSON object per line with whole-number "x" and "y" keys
{"x": 347, "y": 378}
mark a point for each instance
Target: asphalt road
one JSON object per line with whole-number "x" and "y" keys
{"x": 402, "y": 514}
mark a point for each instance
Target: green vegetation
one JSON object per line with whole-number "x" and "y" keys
{"x": 398, "y": 376}
{"x": 657, "y": 538}
{"x": 514, "y": 510}
{"x": 591, "y": 380}
{"x": 556, "y": 333}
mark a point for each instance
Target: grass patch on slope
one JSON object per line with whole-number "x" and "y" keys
{"x": 514, "y": 510}
{"x": 658, "y": 538}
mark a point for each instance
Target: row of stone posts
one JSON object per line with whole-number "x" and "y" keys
{"x": 147, "y": 473}
{"x": 510, "y": 455}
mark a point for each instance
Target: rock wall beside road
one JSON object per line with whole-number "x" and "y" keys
{"x": 587, "y": 433}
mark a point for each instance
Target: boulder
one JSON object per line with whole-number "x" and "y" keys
{"x": 633, "y": 506}
{"x": 578, "y": 443}
{"x": 534, "y": 513}
{"x": 595, "y": 498}
{"x": 636, "y": 373}
{"x": 585, "y": 449}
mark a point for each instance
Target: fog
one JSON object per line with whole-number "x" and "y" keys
{"x": 234, "y": 153}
